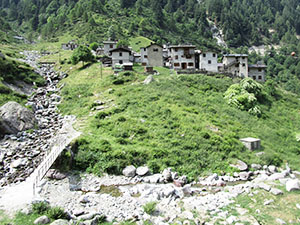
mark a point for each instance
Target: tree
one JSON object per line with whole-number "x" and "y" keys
{"x": 123, "y": 43}
{"x": 94, "y": 46}
{"x": 82, "y": 53}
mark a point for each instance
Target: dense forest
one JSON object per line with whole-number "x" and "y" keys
{"x": 244, "y": 23}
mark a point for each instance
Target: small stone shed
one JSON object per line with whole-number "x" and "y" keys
{"x": 251, "y": 143}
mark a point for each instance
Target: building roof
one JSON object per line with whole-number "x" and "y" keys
{"x": 235, "y": 55}
{"x": 128, "y": 64}
{"x": 110, "y": 42}
{"x": 249, "y": 139}
{"x": 122, "y": 49}
{"x": 257, "y": 66}
{"x": 182, "y": 46}
{"x": 152, "y": 43}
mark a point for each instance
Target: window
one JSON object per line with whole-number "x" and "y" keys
{"x": 259, "y": 70}
{"x": 188, "y": 56}
{"x": 176, "y": 49}
{"x": 120, "y": 54}
{"x": 243, "y": 57}
{"x": 176, "y": 56}
{"x": 155, "y": 49}
{"x": 176, "y": 64}
{"x": 191, "y": 64}
{"x": 214, "y": 54}
{"x": 204, "y": 55}
{"x": 259, "y": 77}
{"x": 237, "y": 65}
{"x": 244, "y": 64}
{"x": 254, "y": 77}
{"x": 111, "y": 46}
{"x": 120, "y": 61}
{"x": 145, "y": 49}
{"x": 145, "y": 56}
{"x": 209, "y": 61}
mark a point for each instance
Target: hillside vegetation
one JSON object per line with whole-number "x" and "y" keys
{"x": 15, "y": 72}
{"x": 178, "y": 121}
{"x": 174, "y": 21}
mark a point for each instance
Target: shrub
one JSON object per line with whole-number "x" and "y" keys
{"x": 56, "y": 213}
{"x": 40, "y": 207}
{"x": 150, "y": 207}
{"x": 244, "y": 96}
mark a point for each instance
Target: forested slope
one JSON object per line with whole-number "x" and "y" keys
{"x": 244, "y": 22}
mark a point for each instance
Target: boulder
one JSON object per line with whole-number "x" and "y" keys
{"x": 280, "y": 221}
{"x": 240, "y": 165}
{"x": 148, "y": 80}
{"x": 55, "y": 174}
{"x": 60, "y": 222}
{"x": 244, "y": 175}
{"x": 15, "y": 118}
{"x": 264, "y": 186}
{"x": 84, "y": 199}
{"x": 256, "y": 166}
{"x": 276, "y": 191}
{"x": 19, "y": 162}
{"x": 129, "y": 171}
{"x": 277, "y": 176}
{"x": 142, "y": 171}
{"x": 42, "y": 220}
{"x": 272, "y": 169}
{"x": 292, "y": 185}
{"x": 167, "y": 174}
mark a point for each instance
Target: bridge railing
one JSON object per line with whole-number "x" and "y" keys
{"x": 48, "y": 160}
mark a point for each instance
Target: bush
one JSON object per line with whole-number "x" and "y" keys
{"x": 40, "y": 207}
{"x": 56, "y": 213}
{"x": 244, "y": 96}
{"x": 150, "y": 207}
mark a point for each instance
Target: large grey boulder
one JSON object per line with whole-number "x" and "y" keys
{"x": 292, "y": 185}
{"x": 240, "y": 165}
{"x": 42, "y": 220}
{"x": 129, "y": 171}
{"x": 148, "y": 80}
{"x": 15, "y": 118}
{"x": 60, "y": 222}
{"x": 142, "y": 171}
{"x": 55, "y": 174}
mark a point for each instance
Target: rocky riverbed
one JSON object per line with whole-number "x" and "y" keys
{"x": 20, "y": 154}
{"x": 86, "y": 197}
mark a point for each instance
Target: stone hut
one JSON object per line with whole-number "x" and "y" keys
{"x": 251, "y": 143}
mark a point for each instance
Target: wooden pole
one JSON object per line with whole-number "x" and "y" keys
{"x": 101, "y": 69}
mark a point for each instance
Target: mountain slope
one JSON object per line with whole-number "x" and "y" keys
{"x": 243, "y": 22}
{"x": 182, "y": 122}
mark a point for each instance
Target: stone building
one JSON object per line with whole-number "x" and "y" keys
{"x": 182, "y": 57}
{"x": 152, "y": 55}
{"x": 120, "y": 55}
{"x": 208, "y": 61}
{"x": 108, "y": 46}
{"x": 257, "y": 71}
{"x": 251, "y": 143}
{"x": 236, "y": 64}
{"x": 69, "y": 46}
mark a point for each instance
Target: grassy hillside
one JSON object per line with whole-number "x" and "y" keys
{"x": 179, "y": 121}
{"x": 13, "y": 71}
{"x": 139, "y": 42}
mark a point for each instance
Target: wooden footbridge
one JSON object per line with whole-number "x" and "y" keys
{"x": 59, "y": 143}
